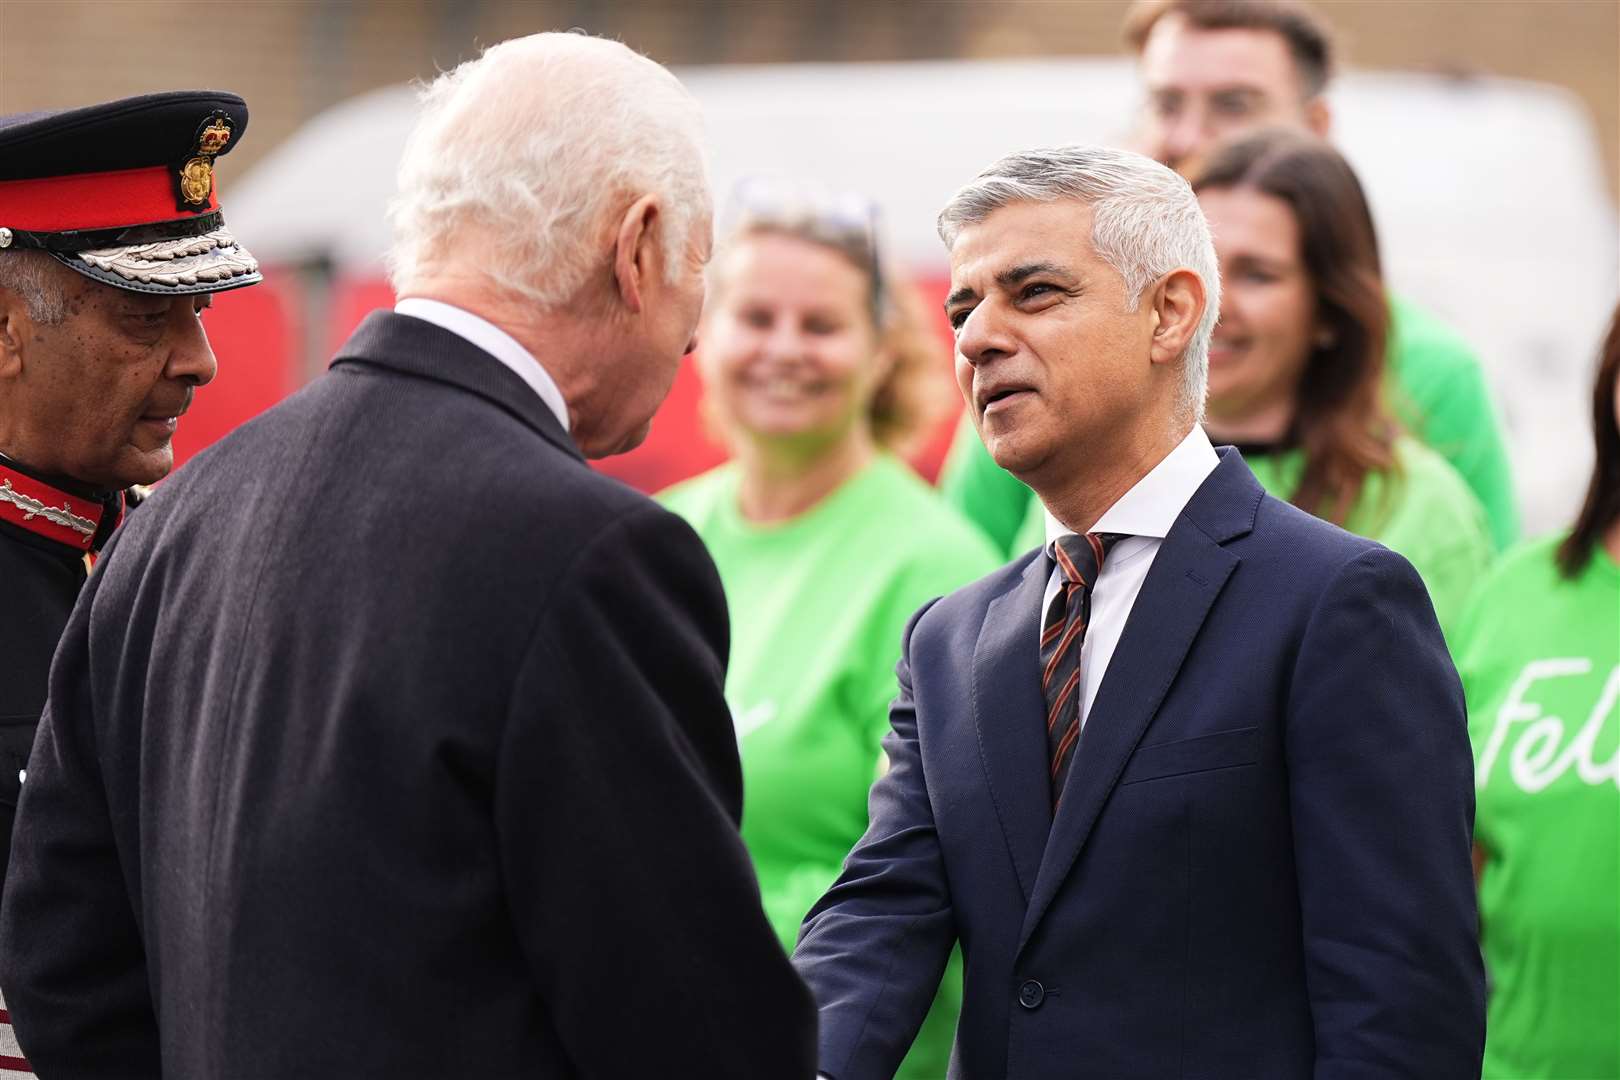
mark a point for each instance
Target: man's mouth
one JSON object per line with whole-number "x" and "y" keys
{"x": 1001, "y": 397}
{"x": 164, "y": 421}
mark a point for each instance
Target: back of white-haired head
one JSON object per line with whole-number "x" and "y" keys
{"x": 1145, "y": 222}
{"x": 534, "y": 143}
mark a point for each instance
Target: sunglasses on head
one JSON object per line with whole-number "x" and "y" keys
{"x": 845, "y": 220}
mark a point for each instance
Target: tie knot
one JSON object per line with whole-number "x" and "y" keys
{"x": 1080, "y": 558}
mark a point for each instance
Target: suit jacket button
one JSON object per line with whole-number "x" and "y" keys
{"x": 1031, "y": 994}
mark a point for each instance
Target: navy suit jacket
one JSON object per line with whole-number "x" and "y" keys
{"x": 1260, "y": 863}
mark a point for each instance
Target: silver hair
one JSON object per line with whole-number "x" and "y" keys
{"x": 32, "y": 275}
{"x": 1145, "y": 223}
{"x": 536, "y": 142}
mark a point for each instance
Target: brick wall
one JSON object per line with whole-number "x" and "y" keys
{"x": 291, "y": 58}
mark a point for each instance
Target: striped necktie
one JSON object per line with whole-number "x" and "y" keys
{"x": 1079, "y": 560}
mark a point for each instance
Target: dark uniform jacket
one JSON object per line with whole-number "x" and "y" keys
{"x": 388, "y": 741}
{"x": 40, "y": 579}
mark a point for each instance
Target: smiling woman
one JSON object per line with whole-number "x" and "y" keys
{"x": 816, "y": 367}
{"x": 1296, "y": 377}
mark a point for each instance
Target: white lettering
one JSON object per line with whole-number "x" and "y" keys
{"x": 1589, "y": 770}
{"x": 1540, "y": 756}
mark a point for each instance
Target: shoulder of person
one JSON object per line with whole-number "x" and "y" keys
{"x": 1416, "y": 333}
{"x": 1529, "y": 560}
{"x": 1434, "y": 482}
{"x": 1299, "y": 544}
{"x": 965, "y": 607}
{"x": 929, "y": 530}
{"x": 697, "y": 496}
{"x": 1530, "y": 565}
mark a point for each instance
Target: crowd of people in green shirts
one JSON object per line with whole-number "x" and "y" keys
{"x": 1352, "y": 403}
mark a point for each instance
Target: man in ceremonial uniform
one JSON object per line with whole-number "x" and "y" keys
{"x": 111, "y": 242}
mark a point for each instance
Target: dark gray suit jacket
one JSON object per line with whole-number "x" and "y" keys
{"x": 389, "y": 741}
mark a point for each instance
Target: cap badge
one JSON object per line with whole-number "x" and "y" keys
{"x": 196, "y": 179}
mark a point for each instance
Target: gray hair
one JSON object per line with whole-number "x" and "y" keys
{"x": 1145, "y": 223}
{"x": 536, "y": 142}
{"x": 32, "y": 275}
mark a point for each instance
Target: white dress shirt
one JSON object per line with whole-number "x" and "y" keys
{"x": 1144, "y": 514}
{"x": 493, "y": 340}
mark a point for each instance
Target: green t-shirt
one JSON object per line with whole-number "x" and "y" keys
{"x": 1423, "y": 511}
{"x": 818, "y": 606}
{"x": 1438, "y": 392}
{"x": 1539, "y": 656}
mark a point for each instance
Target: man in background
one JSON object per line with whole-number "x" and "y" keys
{"x": 389, "y": 739}
{"x": 1216, "y": 68}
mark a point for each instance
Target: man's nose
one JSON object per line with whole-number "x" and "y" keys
{"x": 192, "y": 360}
{"x": 1185, "y": 136}
{"x": 983, "y": 336}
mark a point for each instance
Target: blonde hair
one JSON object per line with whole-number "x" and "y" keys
{"x": 912, "y": 395}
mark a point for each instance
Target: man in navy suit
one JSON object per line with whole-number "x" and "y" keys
{"x": 1191, "y": 785}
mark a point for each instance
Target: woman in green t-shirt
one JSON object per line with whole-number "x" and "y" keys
{"x": 816, "y": 366}
{"x": 1296, "y": 365}
{"x": 1539, "y": 652}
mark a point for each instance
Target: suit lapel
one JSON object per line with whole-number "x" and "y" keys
{"x": 1007, "y": 706}
{"x": 1188, "y": 573}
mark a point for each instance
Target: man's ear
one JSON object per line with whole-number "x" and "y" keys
{"x": 1178, "y": 301}
{"x": 15, "y": 326}
{"x": 1319, "y": 116}
{"x": 637, "y": 252}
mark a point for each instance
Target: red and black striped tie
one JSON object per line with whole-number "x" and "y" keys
{"x": 1079, "y": 560}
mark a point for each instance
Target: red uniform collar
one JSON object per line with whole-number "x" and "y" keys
{"x": 47, "y": 510}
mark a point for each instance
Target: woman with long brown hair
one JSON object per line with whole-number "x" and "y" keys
{"x": 1296, "y": 366}
{"x": 1539, "y": 652}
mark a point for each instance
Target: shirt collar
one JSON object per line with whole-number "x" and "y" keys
{"x": 493, "y": 340}
{"x": 1152, "y": 505}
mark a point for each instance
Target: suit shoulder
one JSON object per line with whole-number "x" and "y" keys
{"x": 1312, "y": 546}
{"x": 967, "y": 604}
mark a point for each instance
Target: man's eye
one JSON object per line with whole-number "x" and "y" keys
{"x": 1035, "y": 290}
{"x": 1232, "y": 105}
{"x": 957, "y": 318}
{"x": 1165, "y": 107}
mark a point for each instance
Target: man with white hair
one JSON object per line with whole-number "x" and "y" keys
{"x": 389, "y": 740}
{"x": 1191, "y": 784}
